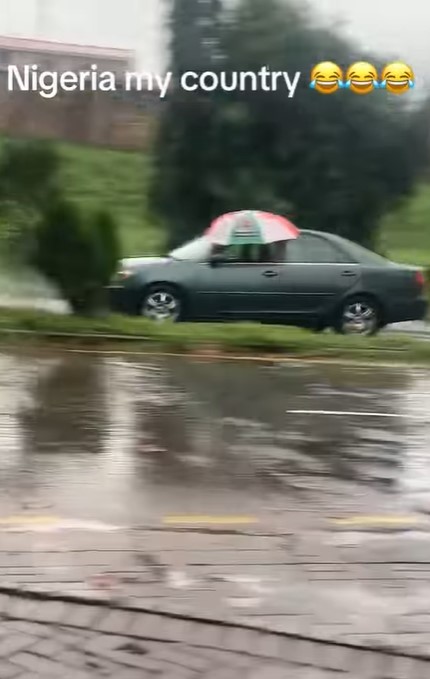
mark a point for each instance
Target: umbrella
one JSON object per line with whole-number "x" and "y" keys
{"x": 251, "y": 227}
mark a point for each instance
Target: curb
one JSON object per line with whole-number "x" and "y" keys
{"x": 387, "y": 357}
{"x": 112, "y": 607}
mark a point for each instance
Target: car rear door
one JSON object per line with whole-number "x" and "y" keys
{"x": 315, "y": 277}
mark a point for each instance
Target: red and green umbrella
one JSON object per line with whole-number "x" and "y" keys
{"x": 251, "y": 227}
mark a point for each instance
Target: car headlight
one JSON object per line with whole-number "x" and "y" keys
{"x": 123, "y": 275}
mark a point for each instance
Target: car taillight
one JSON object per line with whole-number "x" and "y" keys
{"x": 420, "y": 279}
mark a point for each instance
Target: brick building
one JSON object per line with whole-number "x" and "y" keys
{"x": 116, "y": 120}
{"x": 57, "y": 56}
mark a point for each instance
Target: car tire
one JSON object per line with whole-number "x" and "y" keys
{"x": 162, "y": 303}
{"x": 359, "y": 315}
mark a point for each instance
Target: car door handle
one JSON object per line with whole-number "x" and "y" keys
{"x": 349, "y": 273}
{"x": 270, "y": 274}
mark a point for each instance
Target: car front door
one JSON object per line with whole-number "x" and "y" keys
{"x": 238, "y": 285}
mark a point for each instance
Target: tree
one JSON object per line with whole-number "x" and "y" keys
{"x": 334, "y": 163}
{"x": 29, "y": 173}
{"x": 194, "y": 27}
{"x": 194, "y": 31}
{"x": 77, "y": 254}
{"x": 29, "y": 180}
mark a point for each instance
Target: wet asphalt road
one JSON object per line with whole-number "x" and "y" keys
{"x": 129, "y": 440}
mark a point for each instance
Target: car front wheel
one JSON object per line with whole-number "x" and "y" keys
{"x": 358, "y": 316}
{"x": 162, "y": 303}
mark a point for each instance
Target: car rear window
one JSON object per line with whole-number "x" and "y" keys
{"x": 310, "y": 249}
{"x": 364, "y": 256}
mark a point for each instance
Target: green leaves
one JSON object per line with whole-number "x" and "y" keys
{"x": 78, "y": 253}
{"x": 334, "y": 163}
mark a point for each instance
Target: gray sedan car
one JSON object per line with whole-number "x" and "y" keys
{"x": 317, "y": 281}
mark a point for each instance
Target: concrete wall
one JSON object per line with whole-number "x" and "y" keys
{"x": 115, "y": 120}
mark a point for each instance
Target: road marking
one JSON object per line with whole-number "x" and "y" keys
{"x": 376, "y": 520}
{"x": 353, "y": 413}
{"x": 213, "y": 520}
{"x": 28, "y": 520}
{"x": 53, "y": 523}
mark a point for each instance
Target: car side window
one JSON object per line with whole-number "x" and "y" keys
{"x": 308, "y": 249}
{"x": 241, "y": 253}
{"x": 251, "y": 254}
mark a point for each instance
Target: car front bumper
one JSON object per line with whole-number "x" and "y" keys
{"x": 122, "y": 300}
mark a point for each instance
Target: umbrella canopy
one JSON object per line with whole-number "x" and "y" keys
{"x": 251, "y": 227}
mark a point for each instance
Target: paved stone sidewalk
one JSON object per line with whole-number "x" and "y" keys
{"x": 356, "y": 588}
{"x": 41, "y": 639}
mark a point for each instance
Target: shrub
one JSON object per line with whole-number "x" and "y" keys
{"x": 77, "y": 253}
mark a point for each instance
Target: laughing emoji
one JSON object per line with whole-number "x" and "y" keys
{"x": 361, "y": 77}
{"x": 326, "y": 77}
{"x": 397, "y": 78}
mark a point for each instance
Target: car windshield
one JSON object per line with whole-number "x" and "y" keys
{"x": 198, "y": 250}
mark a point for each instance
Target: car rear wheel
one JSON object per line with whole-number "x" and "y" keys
{"x": 359, "y": 316}
{"x": 162, "y": 303}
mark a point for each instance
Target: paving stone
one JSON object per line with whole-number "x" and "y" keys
{"x": 186, "y": 659}
{"x": 336, "y": 658}
{"x": 421, "y": 669}
{"x": 42, "y": 666}
{"x": 116, "y": 622}
{"x": 13, "y": 643}
{"x": 48, "y": 648}
{"x": 241, "y": 640}
{"x": 84, "y": 616}
{"x": 220, "y": 658}
{"x": 268, "y": 672}
{"x": 298, "y": 651}
{"x": 161, "y": 627}
{"x": 9, "y": 671}
{"x": 137, "y": 646}
{"x": 404, "y": 668}
{"x": 5, "y": 602}
{"x": 32, "y": 628}
{"x": 23, "y": 609}
{"x": 224, "y": 673}
{"x": 51, "y": 612}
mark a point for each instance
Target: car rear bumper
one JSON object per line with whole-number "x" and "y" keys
{"x": 407, "y": 310}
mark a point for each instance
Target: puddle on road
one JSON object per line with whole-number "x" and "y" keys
{"x": 128, "y": 441}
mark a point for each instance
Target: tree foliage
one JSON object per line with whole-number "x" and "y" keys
{"x": 194, "y": 34}
{"x": 78, "y": 254}
{"x": 29, "y": 180}
{"x": 29, "y": 173}
{"x": 333, "y": 163}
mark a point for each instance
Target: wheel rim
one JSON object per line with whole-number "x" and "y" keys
{"x": 161, "y": 306}
{"x": 359, "y": 318}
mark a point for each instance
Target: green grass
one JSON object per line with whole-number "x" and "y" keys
{"x": 405, "y": 233}
{"x": 236, "y": 338}
{"x": 118, "y": 181}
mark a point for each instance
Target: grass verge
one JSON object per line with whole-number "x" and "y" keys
{"x": 224, "y": 338}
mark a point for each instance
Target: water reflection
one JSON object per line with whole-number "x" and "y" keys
{"x": 128, "y": 441}
{"x": 68, "y": 414}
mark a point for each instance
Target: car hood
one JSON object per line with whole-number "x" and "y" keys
{"x": 142, "y": 262}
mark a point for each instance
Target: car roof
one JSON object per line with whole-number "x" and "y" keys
{"x": 324, "y": 234}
